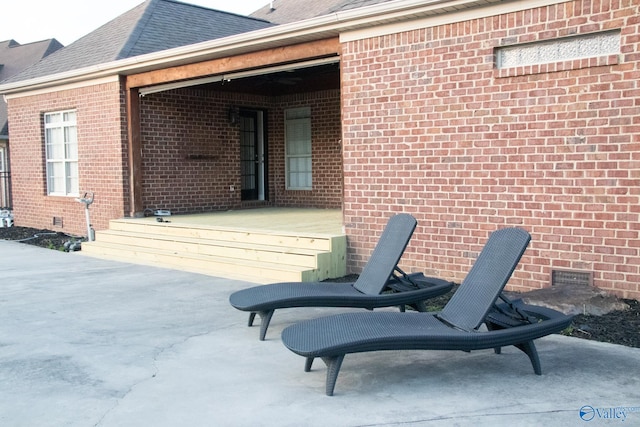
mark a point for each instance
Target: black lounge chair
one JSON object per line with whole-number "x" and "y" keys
{"x": 455, "y": 328}
{"x": 381, "y": 283}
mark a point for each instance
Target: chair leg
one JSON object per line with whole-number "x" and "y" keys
{"x": 490, "y": 327}
{"x": 333, "y": 369}
{"x": 308, "y": 363}
{"x": 252, "y": 317}
{"x": 265, "y": 319}
{"x": 420, "y": 306}
{"x": 529, "y": 349}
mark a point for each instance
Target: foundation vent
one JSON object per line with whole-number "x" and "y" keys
{"x": 568, "y": 277}
{"x": 57, "y": 221}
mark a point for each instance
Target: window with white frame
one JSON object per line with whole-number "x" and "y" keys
{"x": 298, "y": 148}
{"x": 61, "y": 142}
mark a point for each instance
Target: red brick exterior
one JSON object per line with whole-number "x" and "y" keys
{"x": 326, "y": 151}
{"x": 468, "y": 149}
{"x": 190, "y": 152}
{"x": 191, "y": 155}
{"x": 101, "y": 158}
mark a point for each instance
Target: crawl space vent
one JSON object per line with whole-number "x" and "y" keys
{"x": 567, "y": 277}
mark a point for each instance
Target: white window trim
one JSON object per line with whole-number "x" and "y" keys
{"x": 66, "y": 161}
{"x": 300, "y": 115}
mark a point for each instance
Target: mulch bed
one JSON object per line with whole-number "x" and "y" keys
{"x": 33, "y": 236}
{"x": 618, "y": 327}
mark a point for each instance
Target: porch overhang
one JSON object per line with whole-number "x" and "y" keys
{"x": 240, "y": 66}
{"x": 268, "y": 39}
{"x": 239, "y": 75}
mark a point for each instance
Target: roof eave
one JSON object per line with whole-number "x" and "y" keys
{"x": 294, "y": 33}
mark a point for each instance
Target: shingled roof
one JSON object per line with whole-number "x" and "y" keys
{"x": 15, "y": 57}
{"x": 152, "y": 26}
{"x": 286, "y": 11}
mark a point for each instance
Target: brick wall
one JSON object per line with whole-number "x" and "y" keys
{"x": 102, "y": 150}
{"x": 326, "y": 150}
{"x": 191, "y": 152}
{"x": 432, "y": 128}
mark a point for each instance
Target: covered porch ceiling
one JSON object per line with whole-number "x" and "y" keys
{"x": 262, "y": 62}
{"x": 297, "y": 77}
{"x": 321, "y": 77}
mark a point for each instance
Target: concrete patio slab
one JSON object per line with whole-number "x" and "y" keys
{"x": 89, "y": 342}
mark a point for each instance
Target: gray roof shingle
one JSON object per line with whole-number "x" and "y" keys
{"x": 286, "y": 11}
{"x": 15, "y": 57}
{"x": 152, "y": 26}
{"x": 354, "y": 4}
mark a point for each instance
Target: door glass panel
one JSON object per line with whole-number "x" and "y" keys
{"x": 249, "y": 160}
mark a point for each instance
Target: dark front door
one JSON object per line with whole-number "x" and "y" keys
{"x": 252, "y": 158}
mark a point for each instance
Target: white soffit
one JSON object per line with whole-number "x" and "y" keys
{"x": 456, "y": 13}
{"x": 239, "y": 75}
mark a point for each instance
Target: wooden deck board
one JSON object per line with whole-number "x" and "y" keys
{"x": 320, "y": 221}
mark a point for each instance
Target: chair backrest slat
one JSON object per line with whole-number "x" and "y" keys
{"x": 386, "y": 255}
{"x": 490, "y": 273}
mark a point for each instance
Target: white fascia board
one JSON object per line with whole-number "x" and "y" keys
{"x": 455, "y": 12}
{"x": 68, "y": 86}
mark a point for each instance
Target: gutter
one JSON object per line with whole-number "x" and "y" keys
{"x": 286, "y": 34}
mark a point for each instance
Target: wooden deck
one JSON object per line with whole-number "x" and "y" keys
{"x": 258, "y": 245}
{"x": 291, "y": 220}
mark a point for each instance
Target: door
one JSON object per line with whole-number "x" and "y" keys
{"x": 252, "y": 155}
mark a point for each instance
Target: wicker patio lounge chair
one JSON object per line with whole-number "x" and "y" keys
{"x": 381, "y": 283}
{"x": 455, "y": 328}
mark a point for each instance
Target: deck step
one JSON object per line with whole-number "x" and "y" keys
{"x": 243, "y": 254}
{"x": 225, "y": 234}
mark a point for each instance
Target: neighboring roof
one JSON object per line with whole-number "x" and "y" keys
{"x": 152, "y": 26}
{"x": 15, "y": 57}
{"x": 286, "y": 11}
